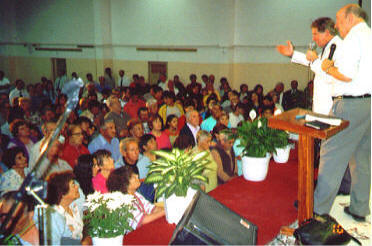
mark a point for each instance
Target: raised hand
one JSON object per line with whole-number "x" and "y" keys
{"x": 285, "y": 50}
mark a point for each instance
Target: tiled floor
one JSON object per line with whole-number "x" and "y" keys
{"x": 360, "y": 230}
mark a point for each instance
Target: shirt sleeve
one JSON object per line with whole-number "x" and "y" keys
{"x": 349, "y": 57}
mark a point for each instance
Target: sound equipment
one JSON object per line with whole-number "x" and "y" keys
{"x": 208, "y": 222}
{"x": 332, "y": 51}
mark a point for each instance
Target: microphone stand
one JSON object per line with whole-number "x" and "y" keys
{"x": 71, "y": 89}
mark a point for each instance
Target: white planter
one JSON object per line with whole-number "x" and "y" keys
{"x": 255, "y": 168}
{"x": 111, "y": 241}
{"x": 282, "y": 154}
{"x": 175, "y": 206}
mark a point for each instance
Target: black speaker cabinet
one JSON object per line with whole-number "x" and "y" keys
{"x": 208, "y": 222}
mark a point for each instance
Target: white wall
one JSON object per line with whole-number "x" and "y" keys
{"x": 223, "y": 31}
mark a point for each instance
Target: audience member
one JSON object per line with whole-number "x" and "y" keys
{"x": 224, "y": 156}
{"x": 191, "y": 127}
{"x": 171, "y": 128}
{"x": 106, "y": 140}
{"x": 64, "y": 223}
{"x": 73, "y": 147}
{"x": 105, "y": 164}
{"x": 126, "y": 181}
{"x": 84, "y": 171}
{"x": 16, "y": 161}
{"x": 293, "y": 98}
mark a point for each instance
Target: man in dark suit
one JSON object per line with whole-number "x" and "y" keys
{"x": 191, "y": 127}
{"x": 293, "y": 98}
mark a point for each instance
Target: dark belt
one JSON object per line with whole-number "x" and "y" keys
{"x": 352, "y": 97}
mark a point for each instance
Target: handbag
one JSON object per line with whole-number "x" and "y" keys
{"x": 322, "y": 230}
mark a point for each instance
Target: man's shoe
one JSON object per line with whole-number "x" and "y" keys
{"x": 355, "y": 217}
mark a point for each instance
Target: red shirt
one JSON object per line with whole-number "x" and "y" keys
{"x": 99, "y": 183}
{"x": 71, "y": 153}
{"x": 131, "y": 108}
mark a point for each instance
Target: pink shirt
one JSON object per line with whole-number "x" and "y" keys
{"x": 163, "y": 141}
{"x": 99, "y": 183}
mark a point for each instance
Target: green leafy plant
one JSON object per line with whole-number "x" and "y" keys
{"x": 256, "y": 138}
{"x": 108, "y": 215}
{"x": 280, "y": 138}
{"x": 174, "y": 172}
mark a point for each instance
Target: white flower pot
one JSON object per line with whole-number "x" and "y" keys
{"x": 282, "y": 154}
{"x": 255, "y": 168}
{"x": 111, "y": 241}
{"x": 175, "y": 206}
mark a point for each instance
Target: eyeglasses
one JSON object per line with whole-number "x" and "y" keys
{"x": 77, "y": 134}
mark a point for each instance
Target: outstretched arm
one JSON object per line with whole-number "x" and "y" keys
{"x": 285, "y": 50}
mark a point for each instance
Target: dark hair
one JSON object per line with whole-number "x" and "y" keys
{"x": 153, "y": 119}
{"x": 144, "y": 140}
{"x": 140, "y": 110}
{"x": 15, "y": 125}
{"x": 324, "y": 23}
{"x": 58, "y": 185}
{"x": 132, "y": 122}
{"x": 83, "y": 119}
{"x": 169, "y": 119}
{"x": 256, "y": 88}
{"x": 100, "y": 154}
{"x": 169, "y": 94}
{"x": 118, "y": 179}
{"x": 93, "y": 103}
{"x": 184, "y": 141}
{"x": 157, "y": 88}
{"x": 189, "y": 102}
{"x": 217, "y": 129}
{"x": 83, "y": 173}
{"x": 10, "y": 154}
{"x": 238, "y": 105}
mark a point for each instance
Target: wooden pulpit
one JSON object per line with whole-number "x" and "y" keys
{"x": 287, "y": 121}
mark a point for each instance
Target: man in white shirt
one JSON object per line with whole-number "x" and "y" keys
{"x": 60, "y": 81}
{"x": 324, "y": 35}
{"x": 4, "y": 83}
{"x": 123, "y": 80}
{"x": 19, "y": 91}
{"x": 352, "y": 87}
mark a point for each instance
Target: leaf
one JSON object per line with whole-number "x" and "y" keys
{"x": 200, "y": 177}
{"x": 153, "y": 178}
{"x": 165, "y": 154}
{"x": 199, "y": 156}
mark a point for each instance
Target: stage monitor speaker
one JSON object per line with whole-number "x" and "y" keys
{"x": 208, "y": 222}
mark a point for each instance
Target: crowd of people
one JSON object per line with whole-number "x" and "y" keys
{"x": 111, "y": 134}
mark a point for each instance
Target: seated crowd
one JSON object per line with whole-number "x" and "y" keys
{"x": 106, "y": 143}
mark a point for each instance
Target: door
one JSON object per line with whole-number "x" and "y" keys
{"x": 155, "y": 68}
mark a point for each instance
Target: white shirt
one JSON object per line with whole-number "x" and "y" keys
{"x": 126, "y": 81}
{"x": 355, "y": 62}
{"x": 17, "y": 93}
{"x": 235, "y": 120}
{"x": 194, "y": 130}
{"x": 4, "y": 81}
{"x": 322, "y": 95}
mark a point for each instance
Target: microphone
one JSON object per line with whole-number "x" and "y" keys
{"x": 312, "y": 45}
{"x": 333, "y": 48}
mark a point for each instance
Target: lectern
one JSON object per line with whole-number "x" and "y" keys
{"x": 287, "y": 121}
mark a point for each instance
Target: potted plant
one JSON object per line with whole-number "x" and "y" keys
{"x": 177, "y": 176}
{"x": 256, "y": 139}
{"x": 282, "y": 147}
{"x": 108, "y": 217}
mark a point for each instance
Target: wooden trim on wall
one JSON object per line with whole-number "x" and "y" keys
{"x": 59, "y": 49}
{"x": 166, "y": 49}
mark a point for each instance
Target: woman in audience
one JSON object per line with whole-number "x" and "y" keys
{"x": 171, "y": 128}
{"x": 258, "y": 89}
{"x": 135, "y": 128}
{"x": 24, "y": 214}
{"x": 106, "y": 165}
{"x": 74, "y": 147}
{"x": 17, "y": 163}
{"x": 204, "y": 139}
{"x": 63, "y": 224}
{"x": 224, "y": 156}
{"x": 21, "y": 136}
{"x": 162, "y": 139}
{"x": 85, "y": 170}
{"x": 126, "y": 181}
{"x": 61, "y": 104}
{"x": 256, "y": 104}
